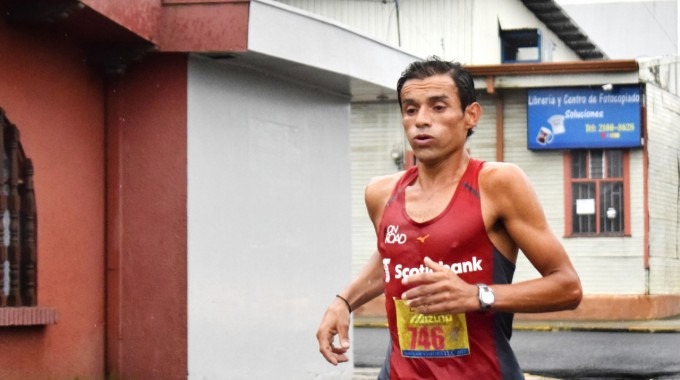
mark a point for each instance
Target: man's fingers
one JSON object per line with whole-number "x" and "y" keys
{"x": 428, "y": 285}
{"x": 332, "y": 353}
{"x": 343, "y": 336}
{"x": 426, "y": 276}
{"x": 419, "y": 295}
{"x": 336, "y": 359}
{"x": 433, "y": 265}
{"x": 333, "y": 357}
{"x": 326, "y": 348}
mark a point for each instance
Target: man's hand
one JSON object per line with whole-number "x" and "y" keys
{"x": 440, "y": 291}
{"x": 334, "y": 322}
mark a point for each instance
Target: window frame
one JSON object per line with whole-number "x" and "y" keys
{"x": 569, "y": 181}
{"x": 512, "y": 40}
{"x": 18, "y": 235}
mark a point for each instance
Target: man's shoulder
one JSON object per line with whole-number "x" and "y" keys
{"x": 378, "y": 192}
{"x": 505, "y": 186}
{"x": 498, "y": 173}
{"x": 384, "y": 183}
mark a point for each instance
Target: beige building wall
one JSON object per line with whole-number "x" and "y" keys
{"x": 607, "y": 265}
{"x": 375, "y": 133}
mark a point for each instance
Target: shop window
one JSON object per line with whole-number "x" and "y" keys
{"x": 597, "y": 192}
{"x": 520, "y": 45}
{"x": 18, "y": 264}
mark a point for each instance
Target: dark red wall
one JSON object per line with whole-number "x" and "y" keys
{"x": 147, "y": 185}
{"x": 110, "y": 180}
{"x": 57, "y": 102}
{"x": 139, "y": 16}
{"x": 182, "y": 25}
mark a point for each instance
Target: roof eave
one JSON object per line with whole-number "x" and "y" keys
{"x": 559, "y": 22}
{"x": 543, "y": 68}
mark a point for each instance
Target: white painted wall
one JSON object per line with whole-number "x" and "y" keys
{"x": 269, "y": 223}
{"x": 462, "y": 30}
{"x": 303, "y": 39}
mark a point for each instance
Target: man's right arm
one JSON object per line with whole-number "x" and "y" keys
{"x": 369, "y": 284}
{"x": 365, "y": 287}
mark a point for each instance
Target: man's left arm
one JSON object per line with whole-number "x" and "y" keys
{"x": 515, "y": 205}
{"x": 515, "y": 220}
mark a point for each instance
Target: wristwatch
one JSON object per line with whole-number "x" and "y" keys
{"x": 486, "y": 296}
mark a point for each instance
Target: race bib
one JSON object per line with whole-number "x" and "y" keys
{"x": 432, "y": 335}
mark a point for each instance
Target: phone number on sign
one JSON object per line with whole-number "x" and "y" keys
{"x": 610, "y": 127}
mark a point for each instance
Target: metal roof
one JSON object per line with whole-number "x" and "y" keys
{"x": 559, "y": 22}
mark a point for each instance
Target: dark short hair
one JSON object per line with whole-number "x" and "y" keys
{"x": 434, "y": 66}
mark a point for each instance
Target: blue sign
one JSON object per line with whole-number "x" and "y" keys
{"x": 573, "y": 118}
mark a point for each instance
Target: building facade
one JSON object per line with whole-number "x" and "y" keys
{"x": 467, "y": 31}
{"x": 176, "y": 190}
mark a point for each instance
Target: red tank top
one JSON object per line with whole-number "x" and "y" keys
{"x": 457, "y": 238}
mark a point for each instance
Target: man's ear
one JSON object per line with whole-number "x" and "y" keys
{"x": 472, "y": 114}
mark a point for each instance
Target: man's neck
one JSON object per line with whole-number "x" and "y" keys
{"x": 442, "y": 173}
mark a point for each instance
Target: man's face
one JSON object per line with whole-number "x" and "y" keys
{"x": 434, "y": 123}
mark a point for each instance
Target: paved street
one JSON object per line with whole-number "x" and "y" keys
{"x": 596, "y": 354}
{"x": 562, "y": 354}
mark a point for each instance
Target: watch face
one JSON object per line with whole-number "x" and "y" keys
{"x": 487, "y": 298}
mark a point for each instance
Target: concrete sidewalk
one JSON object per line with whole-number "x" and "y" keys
{"x": 651, "y": 326}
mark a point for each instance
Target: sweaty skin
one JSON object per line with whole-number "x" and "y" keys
{"x": 437, "y": 128}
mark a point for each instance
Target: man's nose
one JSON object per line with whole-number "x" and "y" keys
{"x": 423, "y": 118}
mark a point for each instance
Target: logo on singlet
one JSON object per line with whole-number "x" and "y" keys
{"x": 386, "y": 268}
{"x": 473, "y": 265}
{"x": 400, "y": 271}
{"x": 393, "y": 236}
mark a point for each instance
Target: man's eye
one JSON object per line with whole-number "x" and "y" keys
{"x": 439, "y": 107}
{"x": 410, "y": 110}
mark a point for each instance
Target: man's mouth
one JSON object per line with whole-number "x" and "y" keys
{"x": 422, "y": 138}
